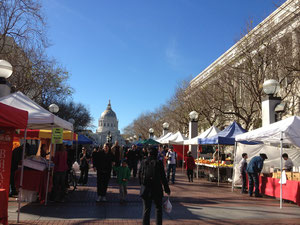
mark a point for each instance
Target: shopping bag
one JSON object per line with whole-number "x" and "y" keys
{"x": 76, "y": 167}
{"x": 283, "y": 175}
{"x": 168, "y": 205}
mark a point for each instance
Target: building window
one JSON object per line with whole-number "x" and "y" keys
{"x": 104, "y": 124}
{"x": 108, "y": 124}
{"x": 112, "y": 125}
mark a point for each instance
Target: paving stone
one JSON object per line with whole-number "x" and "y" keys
{"x": 200, "y": 202}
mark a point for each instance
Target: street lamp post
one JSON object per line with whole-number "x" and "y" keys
{"x": 270, "y": 102}
{"x": 109, "y": 138}
{"x": 151, "y": 133}
{"x": 165, "y": 128}
{"x": 53, "y": 108}
{"x": 5, "y": 72}
{"x": 193, "y": 131}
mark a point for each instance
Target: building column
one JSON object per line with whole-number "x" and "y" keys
{"x": 268, "y": 109}
{"x": 193, "y": 132}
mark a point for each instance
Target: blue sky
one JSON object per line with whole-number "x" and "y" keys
{"x": 135, "y": 52}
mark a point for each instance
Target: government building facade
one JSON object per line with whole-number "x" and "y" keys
{"x": 271, "y": 50}
{"x": 108, "y": 125}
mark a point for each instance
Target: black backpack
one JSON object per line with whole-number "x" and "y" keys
{"x": 148, "y": 172}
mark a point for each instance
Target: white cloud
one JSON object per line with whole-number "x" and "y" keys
{"x": 172, "y": 54}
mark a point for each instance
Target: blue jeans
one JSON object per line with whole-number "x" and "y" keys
{"x": 173, "y": 168}
{"x": 253, "y": 181}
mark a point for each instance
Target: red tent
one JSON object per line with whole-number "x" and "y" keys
{"x": 12, "y": 117}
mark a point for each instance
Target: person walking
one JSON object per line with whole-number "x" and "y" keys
{"x": 60, "y": 168}
{"x": 102, "y": 163}
{"x": 190, "y": 166}
{"x": 171, "y": 164}
{"x": 243, "y": 171}
{"x": 253, "y": 169}
{"x": 84, "y": 166}
{"x": 152, "y": 176}
{"x": 116, "y": 151}
{"x": 123, "y": 175}
{"x": 132, "y": 159}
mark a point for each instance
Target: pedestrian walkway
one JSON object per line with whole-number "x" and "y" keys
{"x": 201, "y": 202}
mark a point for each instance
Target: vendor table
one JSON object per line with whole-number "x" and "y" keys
{"x": 290, "y": 191}
{"x": 34, "y": 180}
{"x": 3, "y": 206}
{"x": 211, "y": 171}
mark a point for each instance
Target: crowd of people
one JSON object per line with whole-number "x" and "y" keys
{"x": 154, "y": 167}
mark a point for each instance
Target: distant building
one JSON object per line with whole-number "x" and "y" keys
{"x": 108, "y": 122}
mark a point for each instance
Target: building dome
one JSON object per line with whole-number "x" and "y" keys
{"x": 108, "y": 124}
{"x": 108, "y": 112}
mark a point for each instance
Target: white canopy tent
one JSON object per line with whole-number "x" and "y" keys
{"x": 286, "y": 131}
{"x": 212, "y": 131}
{"x": 160, "y": 139}
{"x": 38, "y": 118}
{"x": 177, "y": 139}
{"x": 168, "y": 137}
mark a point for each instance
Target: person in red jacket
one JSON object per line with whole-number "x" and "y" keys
{"x": 190, "y": 166}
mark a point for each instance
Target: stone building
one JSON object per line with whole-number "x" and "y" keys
{"x": 108, "y": 123}
{"x": 279, "y": 32}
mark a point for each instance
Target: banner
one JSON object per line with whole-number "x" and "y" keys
{"x": 6, "y": 143}
{"x": 57, "y": 136}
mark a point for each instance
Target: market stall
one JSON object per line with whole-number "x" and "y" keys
{"x": 210, "y": 132}
{"x": 10, "y": 119}
{"x": 226, "y": 137}
{"x": 38, "y": 118}
{"x": 286, "y": 131}
{"x": 209, "y": 169}
{"x": 177, "y": 141}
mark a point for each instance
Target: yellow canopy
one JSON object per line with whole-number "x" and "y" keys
{"x": 67, "y": 135}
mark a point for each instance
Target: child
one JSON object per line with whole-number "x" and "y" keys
{"x": 243, "y": 167}
{"x": 190, "y": 165}
{"x": 123, "y": 175}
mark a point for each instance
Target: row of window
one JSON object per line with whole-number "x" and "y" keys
{"x": 107, "y": 124}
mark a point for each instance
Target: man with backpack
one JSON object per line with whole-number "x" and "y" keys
{"x": 152, "y": 176}
{"x": 171, "y": 164}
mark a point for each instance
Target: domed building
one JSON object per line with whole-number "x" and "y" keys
{"x": 108, "y": 123}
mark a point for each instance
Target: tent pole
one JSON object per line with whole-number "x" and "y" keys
{"x": 48, "y": 176}
{"x": 233, "y": 172}
{"x": 197, "y": 156}
{"x": 281, "y": 144}
{"x": 76, "y": 151}
{"x": 22, "y": 173}
{"x": 183, "y": 157}
{"x": 218, "y": 165}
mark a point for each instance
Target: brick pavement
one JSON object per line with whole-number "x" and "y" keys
{"x": 201, "y": 202}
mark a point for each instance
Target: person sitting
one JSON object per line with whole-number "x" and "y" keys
{"x": 288, "y": 163}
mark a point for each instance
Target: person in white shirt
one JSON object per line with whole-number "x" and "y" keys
{"x": 171, "y": 164}
{"x": 288, "y": 164}
{"x": 243, "y": 170}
